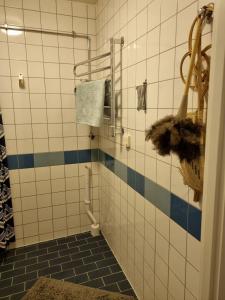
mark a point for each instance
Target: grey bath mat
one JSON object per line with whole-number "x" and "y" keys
{"x": 53, "y": 289}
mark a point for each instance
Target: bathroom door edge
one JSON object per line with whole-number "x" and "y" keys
{"x": 212, "y": 271}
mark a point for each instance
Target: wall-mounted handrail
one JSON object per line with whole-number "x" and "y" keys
{"x": 87, "y": 61}
{"x": 92, "y": 71}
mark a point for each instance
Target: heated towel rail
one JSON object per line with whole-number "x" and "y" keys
{"x": 112, "y": 67}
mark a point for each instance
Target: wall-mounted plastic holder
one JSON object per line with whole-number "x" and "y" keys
{"x": 142, "y": 96}
{"x": 21, "y": 81}
{"x": 127, "y": 141}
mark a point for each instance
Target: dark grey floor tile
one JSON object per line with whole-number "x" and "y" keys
{"x": 99, "y": 273}
{"x": 47, "y": 244}
{"x": 66, "y": 240}
{"x": 101, "y": 249}
{"x": 48, "y": 256}
{"x": 37, "y": 253}
{"x": 108, "y": 254}
{"x": 7, "y": 267}
{"x": 96, "y": 283}
{"x": 81, "y": 259}
{"x": 8, "y": 253}
{"x": 88, "y": 246}
{"x": 26, "y": 262}
{"x": 24, "y": 277}
{"x": 5, "y": 283}
{"x": 124, "y": 285}
{"x": 85, "y": 268}
{"x": 77, "y": 243}
{"x": 63, "y": 274}
{"x": 9, "y": 260}
{"x": 102, "y": 243}
{"x": 95, "y": 239}
{"x": 49, "y": 270}
{"x": 82, "y": 236}
{"x": 29, "y": 284}
{"x": 130, "y": 293}
{"x": 106, "y": 262}
{"x": 57, "y": 248}
{"x": 115, "y": 268}
{"x": 114, "y": 278}
{"x": 68, "y": 251}
{"x": 111, "y": 287}
{"x": 72, "y": 264}
{"x": 37, "y": 267}
{"x": 81, "y": 254}
{"x": 18, "y": 296}
{"x": 12, "y": 273}
{"x": 93, "y": 258}
{"x": 26, "y": 249}
{"x": 78, "y": 279}
{"x": 12, "y": 290}
{"x": 60, "y": 260}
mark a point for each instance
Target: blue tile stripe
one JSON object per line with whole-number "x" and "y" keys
{"x": 181, "y": 212}
{"x": 36, "y": 160}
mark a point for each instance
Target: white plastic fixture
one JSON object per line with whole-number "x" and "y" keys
{"x": 95, "y": 228}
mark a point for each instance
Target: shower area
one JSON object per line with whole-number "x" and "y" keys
{"x": 95, "y": 205}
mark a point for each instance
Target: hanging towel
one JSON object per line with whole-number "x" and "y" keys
{"x": 107, "y": 100}
{"x": 141, "y": 93}
{"x": 90, "y": 98}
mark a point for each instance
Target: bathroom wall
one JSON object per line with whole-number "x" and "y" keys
{"x": 147, "y": 214}
{"x": 47, "y": 149}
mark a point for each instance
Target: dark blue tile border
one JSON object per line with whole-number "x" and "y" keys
{"x": 184, "y": 214}
{"x": 140, "y": 184}
{"x": 131, "y": 177}
{"x": 194, "y": 222}
{"x": 84, "y": 156}
{"x": 25, "y": 161}
{"x": 70, "y": 157}
{"x": 179, "y": 211}
{"x": 41, "y": 160}
{"x": 12, "y": 161}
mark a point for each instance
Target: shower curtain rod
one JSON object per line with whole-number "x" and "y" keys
{"x": 27, "y": 29}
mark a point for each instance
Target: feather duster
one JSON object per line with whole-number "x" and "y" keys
{"x": 171, "y": 135}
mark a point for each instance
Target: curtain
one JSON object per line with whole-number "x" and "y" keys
{"x": 7, "y": 234}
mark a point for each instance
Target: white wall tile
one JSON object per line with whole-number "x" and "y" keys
{"x": 32, "y": 19}
{"x": 192, "y": 280}
{"x": 17, "y": 51}
{"x": 14, "y": 16}
{"x": 48, "y": 21}
{"x": 153, "y": 14}
{"x": 177, "y": 264}
{"x": 48, "y": 5}
{"x": 31, "y": 4}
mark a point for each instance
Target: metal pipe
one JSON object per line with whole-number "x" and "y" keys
{"x": 43, "y": 31}
{"x": 112, "y": 64}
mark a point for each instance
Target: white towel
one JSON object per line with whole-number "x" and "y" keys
{"x": 90, "y": 102}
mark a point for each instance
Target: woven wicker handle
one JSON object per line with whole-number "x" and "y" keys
{"x": 182, "y": 112}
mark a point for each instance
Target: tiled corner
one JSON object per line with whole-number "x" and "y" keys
{"x": 81, "y": 259}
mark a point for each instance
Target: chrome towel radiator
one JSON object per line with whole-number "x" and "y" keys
{"x": 112, "y": 69}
